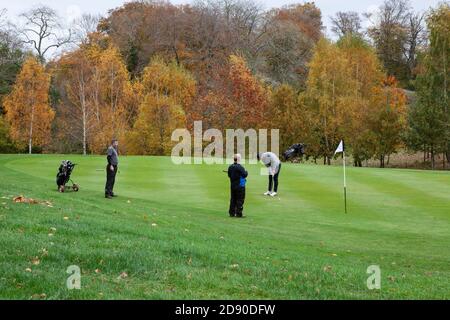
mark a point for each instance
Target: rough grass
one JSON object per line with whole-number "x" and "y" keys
{"x": 169, "y": 235}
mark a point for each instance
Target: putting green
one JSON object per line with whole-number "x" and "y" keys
{"x": 168, "y": 234}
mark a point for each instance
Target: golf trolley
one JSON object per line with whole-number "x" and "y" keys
{"x": 63, "y": 177}
{"x": 294, "y": 150}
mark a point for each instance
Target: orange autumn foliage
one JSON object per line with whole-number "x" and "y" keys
{"x": 27, "y": 106}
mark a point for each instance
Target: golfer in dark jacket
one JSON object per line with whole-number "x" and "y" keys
{"x": 237, "y": 175}
{"x": 111, "y": 168}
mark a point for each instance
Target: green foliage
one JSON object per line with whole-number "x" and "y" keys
{"x": 429, "y": 118}
{"x": 6, "y": 145}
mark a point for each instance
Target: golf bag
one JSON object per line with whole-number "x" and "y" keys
{"x": 294, "y": 150}
{"x": 63, "y": 176}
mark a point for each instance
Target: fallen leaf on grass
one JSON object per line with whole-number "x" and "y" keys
{"x": 28, "y": 269}
{"x": 327, "y": 268}
{"x": 391, "y": 278}
{"x": 48, "y": 204}
{"x": 97, "y": 270}
{"x": 123, "y": 275}
{"x": 35, "y": 261}
{"x": 154, "y": 225}
{"x": 334, "y": 254}
{"x": 22, "y": 199}
{"x": 234, "y": 266}
{"x": 66, "y": 218}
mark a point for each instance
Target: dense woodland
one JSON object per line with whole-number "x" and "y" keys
{"x": 150, "y": 67}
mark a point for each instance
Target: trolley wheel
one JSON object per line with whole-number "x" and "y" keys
{"x": 76, "y": 187}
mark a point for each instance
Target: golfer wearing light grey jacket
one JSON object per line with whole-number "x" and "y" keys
{"x": 273, "y": 164}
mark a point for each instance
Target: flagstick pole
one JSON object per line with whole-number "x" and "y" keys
{"x": 345, "y": 183}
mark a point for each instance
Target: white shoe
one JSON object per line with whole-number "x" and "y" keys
{"x": 273, "y": 194}
{"x": 268, "y": 193}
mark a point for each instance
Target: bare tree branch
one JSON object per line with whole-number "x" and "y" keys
{"x": 42, "y": 29}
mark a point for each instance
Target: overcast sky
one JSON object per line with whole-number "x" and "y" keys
{"x": 71, "y": 9}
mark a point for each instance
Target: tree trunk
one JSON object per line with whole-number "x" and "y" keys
{"x": 84, "y": 132}
{"x": 432, "y": 159}
{"x": 83, "y": 110}
{"x": 30, "y": 139}
{"x": 382, "y": 161}
{"x": 444, "y": 166}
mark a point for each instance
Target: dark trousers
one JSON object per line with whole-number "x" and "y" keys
{"x": 274, "y": 180}
{"x": 110, "y": 180}
{"x": 237, "y": 202}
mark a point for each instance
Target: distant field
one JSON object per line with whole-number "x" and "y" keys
{"x": 168, "y": 234}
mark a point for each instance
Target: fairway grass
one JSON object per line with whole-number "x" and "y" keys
{"x": 168, "y": 234}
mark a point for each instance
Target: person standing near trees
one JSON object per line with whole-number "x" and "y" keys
{"x": 111, "y": 168}
{"x": 237, "y": 175}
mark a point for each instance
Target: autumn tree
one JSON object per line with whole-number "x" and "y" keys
{"x": 291, "y": 33}
{"x": 78, "y": 110}
{"x": 331, "y": 97}
{"x": 287, "y": 115}
{"x": 202, "y": 36}
{"x": 97, "y": 101}
{"x": 27, "y": 106}
{"x": 167, "y": 91}
{"x": 307, "y": 17}
{"x": 387, "y": 120}
{"x": 367, "y": 70}
{"x": 113, "y": 93}
{"x": 250, "y": 98}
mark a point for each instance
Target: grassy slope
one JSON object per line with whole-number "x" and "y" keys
{"x": 298, "y": 246}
